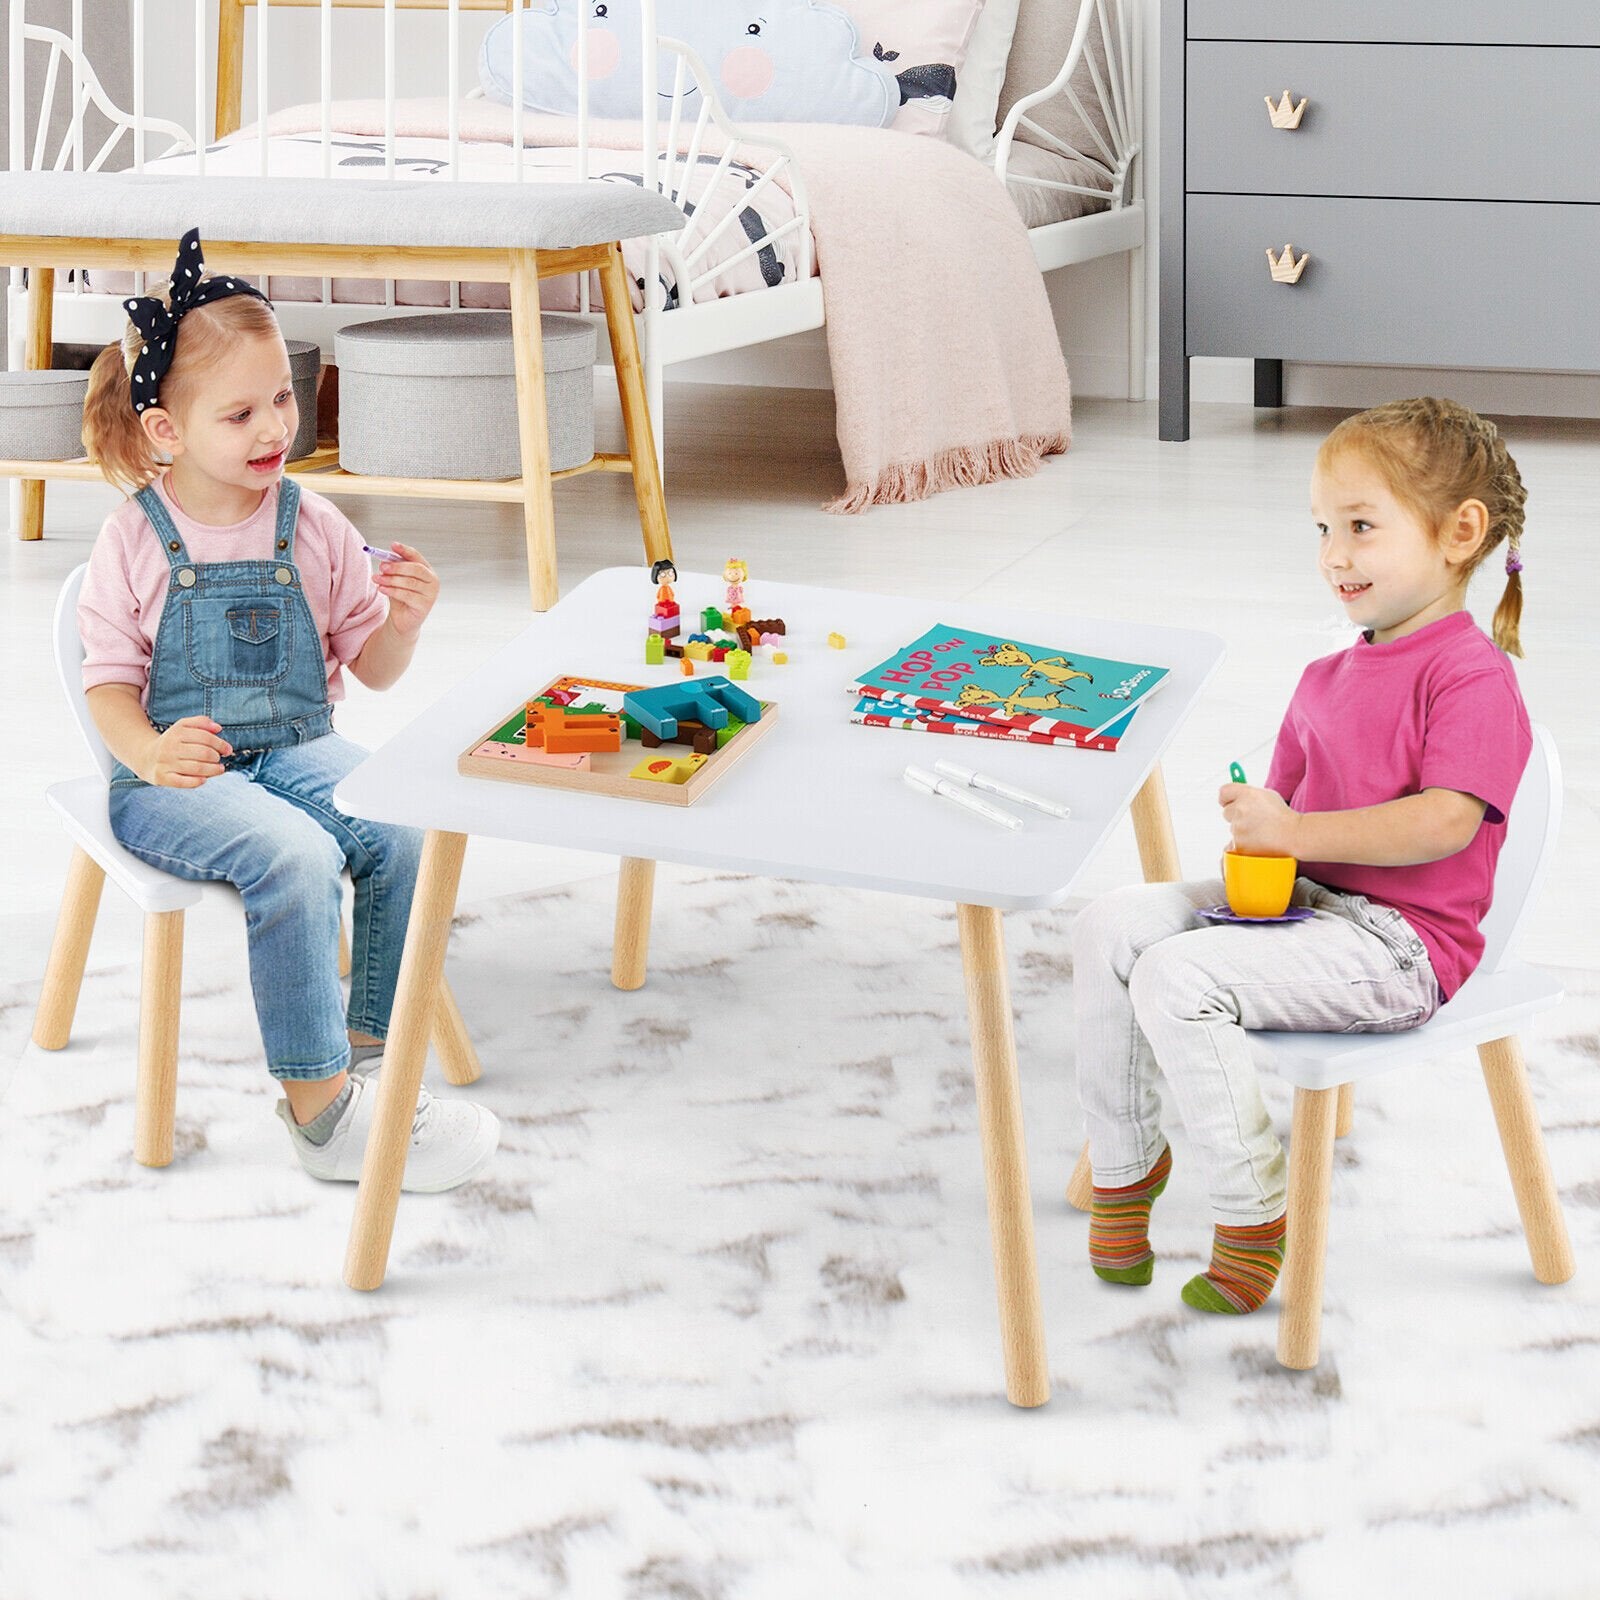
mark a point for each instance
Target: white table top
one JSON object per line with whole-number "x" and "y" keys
{"x": 820, "y": 798}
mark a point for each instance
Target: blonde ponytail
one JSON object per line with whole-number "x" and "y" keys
{"x": 116, "y": 439}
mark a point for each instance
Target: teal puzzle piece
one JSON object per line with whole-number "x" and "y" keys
{"x": 708, "y": 701}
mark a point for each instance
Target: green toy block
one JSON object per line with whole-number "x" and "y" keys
{"x": 630, "y": 728}
{"x": 710, "y": 618}
{"x": 655, "y": 650}
{"x": 725, "y": 734}
{"x": 738, "y": 664}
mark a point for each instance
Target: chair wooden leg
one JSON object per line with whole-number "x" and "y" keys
{"x": 160, "y": 997}
{"x": 635, "y": 408}
{"x": 1005, "y": 1155}
{"x": 37, "y": 356}
{"x": 630, "y": 947}
{"x": 415, "y": 1003}
{"x": 1310, "y": 1179}
{"x": 1080, "y": 1186}
{"x": 1158, "y": 858}
{"x": 63, "y": 974}
{"x": 1345, "y": 1118}
{"x": 533, "y": 430}
{"x": 457, "y": 1053}
{"x": 1526, "y": 1159}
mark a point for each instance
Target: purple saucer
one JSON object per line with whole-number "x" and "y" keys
{"x": 1227, "y": 914}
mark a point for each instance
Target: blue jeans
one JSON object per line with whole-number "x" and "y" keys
{"x": 268, "y": 826}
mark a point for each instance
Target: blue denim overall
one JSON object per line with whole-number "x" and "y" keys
{"x": 237, "y": 642}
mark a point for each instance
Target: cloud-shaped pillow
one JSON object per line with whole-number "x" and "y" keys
{"x": 770, "y": 60}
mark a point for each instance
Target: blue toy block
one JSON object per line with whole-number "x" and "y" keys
{"x": 660, "y": 708}
{"x": 731, "y": 698}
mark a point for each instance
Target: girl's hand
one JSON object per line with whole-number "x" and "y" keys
{"x": 1260, "y": 820}
{"x": 412, "y": 587}
{"x": 188, "y": 753}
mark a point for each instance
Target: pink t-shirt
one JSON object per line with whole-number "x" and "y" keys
{"x": 1438, "y": 709}
{"x": 125, "y": 587}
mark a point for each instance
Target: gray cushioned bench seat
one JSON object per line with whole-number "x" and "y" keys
{"x": 375, "y": 211}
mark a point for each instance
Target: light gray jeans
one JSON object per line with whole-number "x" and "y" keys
{"x": 1158, "y": 987}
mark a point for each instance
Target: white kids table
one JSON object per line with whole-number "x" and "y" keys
{"x": 818, "y": 799}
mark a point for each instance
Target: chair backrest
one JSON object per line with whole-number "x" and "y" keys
{"x": 69, "y": 666}
{"x": 1531, "y": 828}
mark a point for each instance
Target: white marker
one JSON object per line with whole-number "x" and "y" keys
{"x": 1006, "y": 791}
{"x": 931, "y": 783}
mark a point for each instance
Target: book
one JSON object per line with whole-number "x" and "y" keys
{"x": 1036, "y": 689}
{"x": 872, "y": 713}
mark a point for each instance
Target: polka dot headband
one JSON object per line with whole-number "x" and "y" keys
{"x": 158, "y": 324}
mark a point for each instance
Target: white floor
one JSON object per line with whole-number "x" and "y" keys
{"x": 720, "y": 1326}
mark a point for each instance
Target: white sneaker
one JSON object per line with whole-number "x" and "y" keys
{"x": 451, "y": 1140}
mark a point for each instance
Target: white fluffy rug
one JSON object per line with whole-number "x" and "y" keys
{"x": 720, "y": 1322}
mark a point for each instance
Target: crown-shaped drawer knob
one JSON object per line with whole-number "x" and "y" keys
{"x": 1284, "y": 113}
{"x": 1285, "y": 268}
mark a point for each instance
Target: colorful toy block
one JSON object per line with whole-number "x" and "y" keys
{"x": 711, "y": 618}
{"x": 780, "y": 658}
{"x": 752, "y": 633}
{"x": 560, "y": 731}
{"x": 719, "y": 653}
{"x": 836, "y": 641}
{"x": 738, "y": 665}
{"x": 655, "y": 650}
{"x": 669, "y": 769}
{"x": 687, "y": 667}
{"x": 701, "y": 739}
{"x": 667, "y": 627}
{"x": 711, "y": 701}
{"x": 697, "y": 650}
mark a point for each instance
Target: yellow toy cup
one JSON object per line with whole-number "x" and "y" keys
{"x": 1258, "y": 886}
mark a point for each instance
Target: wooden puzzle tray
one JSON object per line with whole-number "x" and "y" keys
{"x": 501, "y": 754}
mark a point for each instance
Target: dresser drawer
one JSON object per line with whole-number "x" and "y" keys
{"x": 1394, "y": 282}
{"x": 1462, "y": 122}
{"x": 1398, "y": 21}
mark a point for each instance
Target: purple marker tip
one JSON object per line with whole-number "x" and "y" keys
{"x": 383, "y": 555}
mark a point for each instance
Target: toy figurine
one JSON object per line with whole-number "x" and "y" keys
{"x": 664, "y": 573}
{"x": 734, "y": 575}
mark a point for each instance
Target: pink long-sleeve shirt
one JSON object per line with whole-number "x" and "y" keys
{"x": 1438, "y": 709}
{"x": 125, "y": 588}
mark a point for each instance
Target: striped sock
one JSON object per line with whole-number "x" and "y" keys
{"x": 1119, "y": 1224}
{"x": 1244, "y": 1266}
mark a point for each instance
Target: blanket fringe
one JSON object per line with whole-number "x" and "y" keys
{"x": 959, "y": 468}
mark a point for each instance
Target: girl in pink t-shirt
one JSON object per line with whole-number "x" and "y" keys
{"x": 1394, "y": 769}
{"x": 219, "y": 606}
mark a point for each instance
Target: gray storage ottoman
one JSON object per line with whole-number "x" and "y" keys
{"x": 305, "y": 362}
{"x": 41, "y": 415}
{"x": 436, "y": 396}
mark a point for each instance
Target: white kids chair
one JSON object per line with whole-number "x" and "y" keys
{"x": 1486, "y": 1011}
{"x": 1499, "y": 997}
{"x": 81, "y": 804}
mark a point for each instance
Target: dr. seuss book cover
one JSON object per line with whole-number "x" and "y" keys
{"x": 1037, "y": 689}
{"x": 870, "y": 713}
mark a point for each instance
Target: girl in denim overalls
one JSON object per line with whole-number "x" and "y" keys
{"x": 220, "y": 606}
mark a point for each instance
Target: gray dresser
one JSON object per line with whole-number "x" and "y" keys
{"x": 1442, "y": 186}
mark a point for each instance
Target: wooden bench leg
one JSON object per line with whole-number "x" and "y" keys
{"x": 630, "y": 947}
{"x": 1345, "y": 1118}
{"x": 1526, "y": 1159}
{"x": 635, "y": 408}
{"x": 69, "y": 950}
{"x": 1158, "y": 857}
{"x": 533, "y": 429}
{"x": 160, "y": 999}
{"x": 37, "y": 357}
{"x": 1005, "y": 1155}
{"x": 1310, "y": 1180}
{"x": 415, "y": 1003}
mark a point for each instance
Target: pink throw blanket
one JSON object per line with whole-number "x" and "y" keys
{"x": 947, "y": 369}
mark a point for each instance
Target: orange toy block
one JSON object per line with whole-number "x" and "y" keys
{"x": 559, "y": 732}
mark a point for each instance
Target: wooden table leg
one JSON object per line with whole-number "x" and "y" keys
{"x": 457, "y": 1053}
{"x": 1158, "y": 856}
{"x": 630, "y": 947}
{"x": 416, "y": 998}
{"x": 533, "y": 429}
{"x": 635, "y": 408}
{"x": 1152, "y": 828}
{"x": 36, "y": 357}
{"x": 1005, "y": 1154}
